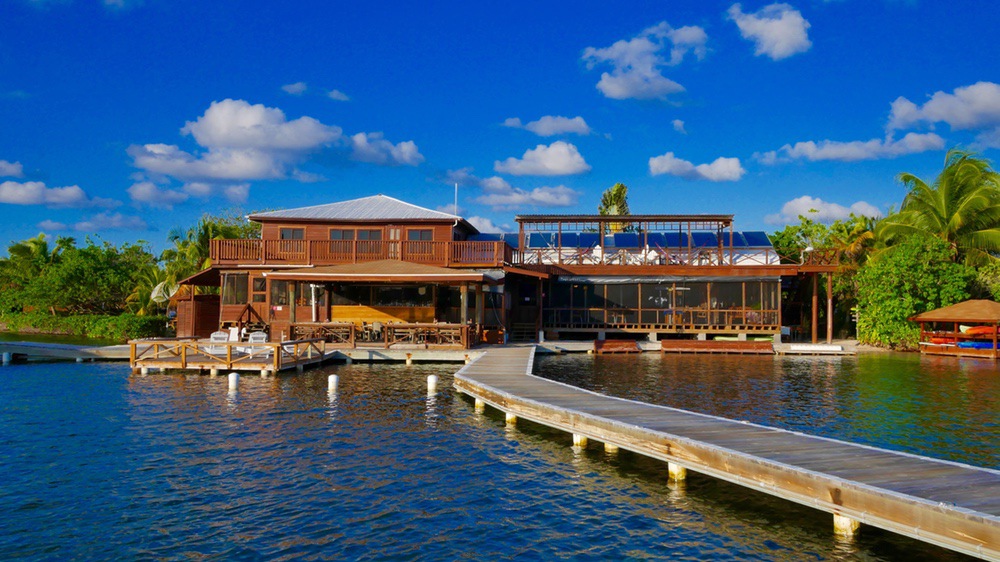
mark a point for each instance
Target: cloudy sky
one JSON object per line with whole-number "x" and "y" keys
{"x": 127, "y": 118}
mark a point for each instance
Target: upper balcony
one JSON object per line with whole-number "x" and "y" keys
{"x": 336, "y": 252}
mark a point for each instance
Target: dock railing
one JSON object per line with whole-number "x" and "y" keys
{"x": 336, "y": 252}
{"x": 194, "y": 353}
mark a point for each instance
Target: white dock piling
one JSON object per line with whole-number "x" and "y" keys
{"x": 480, "y": 406}
{"x": 610, "y": 448}
{"x": 79, "y": 359}
{"x": 331, "y": 383}
{"x": 409, "y": 359}
{"x": 234, "y": 381}
{"x": 144, "y": 371}
{"x": 432, "y": 384}
{"x": 510, "y": 419}
{"x": 676, "y": 472}
{"x": 213, "y": 372}
{"x": 6, "y": 358}
{"x": 579, "y": 440}
{"x": 845, "y": 526}
{"x": 299, "y": 369}
{"x": 348, "y": 360}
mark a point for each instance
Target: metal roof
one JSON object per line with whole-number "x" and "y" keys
{"x": 983, "y": 311}
{"x": 373, "y": 208}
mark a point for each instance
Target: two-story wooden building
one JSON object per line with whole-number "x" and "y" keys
{"x": 380, "y": 271}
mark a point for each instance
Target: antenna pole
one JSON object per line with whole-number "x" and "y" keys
{"x": 455, "y": 208}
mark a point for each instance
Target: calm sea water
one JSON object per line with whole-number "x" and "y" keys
{"x": 98, "y": 464}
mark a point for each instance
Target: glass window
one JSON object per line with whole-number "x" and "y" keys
{"x": 279, "y": 293}
{"x": 369, "y": 235}
{"x": 657, "y": 295}
{"x": 727, "y": 295}
{"x": 341, "y": 234}
{"x": 421, "y": 295}
{"x": 259, "y": 285}
{"x": 292, "y": 233}
{"x": 234, "y": 288}
{"x": 559, "y": 295}
{"x": 415, "y": 235}
{"x": 624, "y": 295}
{"x": 304, "y": 294}
{"x": 347, "y": 295}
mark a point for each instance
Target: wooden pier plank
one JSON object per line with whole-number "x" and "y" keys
{"x": 948, "y": 504}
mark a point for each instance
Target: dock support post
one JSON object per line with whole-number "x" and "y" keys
{"x": 299, "y": 369}
{"x": 676, "y": 472}
{"x": 610, "y": 448}
{"x": 579, "y": 440}
{"x": 6, "y": 358}
{"x": 467, "y": 359}
{"x": 331, "y": 383}
{"x": 144, "y": 371}
{"x": 432, "y": 385}
{"x": 263, "y": 373}
{"x": 213, "y": 371}
{"x": 845, "y": 526}
{"x": 480, "y": 406}
{"x": 409, "y": 359}
{"x": 348, "y": 360}
{"x": 510, "y": 418}
{"x": 234, "y": 381}
{"x": 79, "y": 359}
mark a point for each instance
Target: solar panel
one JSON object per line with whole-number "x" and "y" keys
{"x": 675, "y": 240}
{"x": 656, "y": 239}
{"x": 609, "y": 240}
{"x": 540, "y": 240}
{"x": 738, "y": 240}
{"x": 486, "y": 237}
{"x": 626, "y": 240}
{"x": 569, "y": 240}
{"x": 589, "y": 239}
{"x": 757, "y": 239}
{"x": 704, "y": 240}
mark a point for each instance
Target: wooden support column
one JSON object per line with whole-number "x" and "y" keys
{"x": 815, "y": 308}
{"x": 829, "y": 308}
{"x": 292, "y": 305}
{"x": 480, "y": 310}
{"x": 464, "y": 292}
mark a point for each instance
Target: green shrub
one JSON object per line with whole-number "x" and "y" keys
{"x": 118, "y": 328}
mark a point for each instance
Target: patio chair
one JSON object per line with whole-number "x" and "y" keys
{"x": 219, "y": 337}
{"x": 255, "y": 350}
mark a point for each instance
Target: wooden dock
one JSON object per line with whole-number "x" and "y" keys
{"x": 192, "y": 353}
{"x": 716, "y": 346}
{"x": 952, "y": 505}
{"x": 616, "y": 346}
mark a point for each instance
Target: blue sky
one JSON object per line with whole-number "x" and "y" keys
{"x": 126, "y": 118}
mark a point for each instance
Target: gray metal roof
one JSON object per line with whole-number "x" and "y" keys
{"x": 374, "y": 208}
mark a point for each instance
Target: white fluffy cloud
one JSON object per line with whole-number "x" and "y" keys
{"x": 679, "y": 126}
{"x": 297, "y": 88}
{"x": 819, "y": 210}
{"x": 777, "y": 30}
{"x": 637, "y": 63}
{"x": 557, "y": 159}
{"x": 149, "y": 194}
{"x": 243, "y": 142}
{"x": 337, "y": 95}
{"x": 50, "y": 225}
{"x": 11, "y": 169}
{"x": 372, "y": 148}
{"x": 37, "y": 193}
{"x": 500, "y": 194}
{"x": 853, "y": 151}
{"x": 550, "y": 125}
{"x": 108, "y": 221}
{"x": 486, "y": 225}
{"x": 721, "y": 169}
{"x": 975, "y": 107}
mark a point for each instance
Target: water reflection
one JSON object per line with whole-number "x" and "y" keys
{"x": 177, "y": 467}
{"x": 932, "y": 406}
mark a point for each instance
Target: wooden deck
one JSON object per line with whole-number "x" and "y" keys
{"x": 715, "y": 346}
{"x": 616, "y": 346}
{"x": 191, "y": 353}
{"x": 949, "y": 504}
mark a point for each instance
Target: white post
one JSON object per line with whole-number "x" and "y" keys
{"x": 331, "y": 383}
{"x": 263, "y": 373}
{"x": 579, "y": 440}
{"x": 348, "y": 360}
{"x": 144, "y": 371}
{"x": 409, "y": 359}
{"x": 299, "y": 369}
{"x": 6, "y": 358}
{"x": 79, "y": 359}
{"x": 234, "y": 381}
{"x": 845, "y": 526}
{"x": 480, "y": 406}
{"x": 467, "y": 359}
{"x": 610, "y": 448}
{"x": 213, "y": 371}
{"x": 510, "y": 418}
{"x": 432, "y": 384}
{"x": 676, "y": 472}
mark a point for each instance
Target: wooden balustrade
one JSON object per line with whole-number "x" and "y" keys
{"x": 333, "y": 252}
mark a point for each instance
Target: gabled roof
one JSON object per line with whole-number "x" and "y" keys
{"x": 373, "y": 208}
{"x": 981, "y": 311}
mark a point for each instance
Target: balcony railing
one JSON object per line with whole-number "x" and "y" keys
{"x": 336, "y": 252}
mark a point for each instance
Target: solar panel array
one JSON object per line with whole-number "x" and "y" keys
{"x": 543, "y": 240}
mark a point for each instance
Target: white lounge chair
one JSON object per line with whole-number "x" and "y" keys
{"x": 219, "y": 337}
{"x": 256, "y": 350}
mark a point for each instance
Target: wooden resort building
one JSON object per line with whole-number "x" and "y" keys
{"x": 378, "y": 271}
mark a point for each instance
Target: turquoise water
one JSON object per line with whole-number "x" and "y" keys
{"x": 98, "y": 464}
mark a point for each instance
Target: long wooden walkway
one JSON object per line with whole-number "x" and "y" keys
{"x": 948, "y": 504}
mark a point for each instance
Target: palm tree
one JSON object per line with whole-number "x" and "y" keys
{"x": 962, "y": 207}
{"x": 614, "y": 201}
